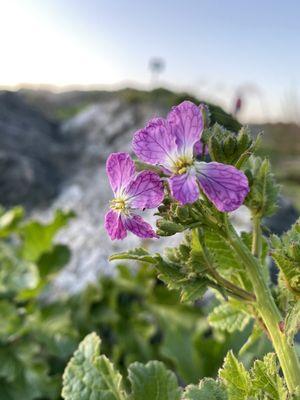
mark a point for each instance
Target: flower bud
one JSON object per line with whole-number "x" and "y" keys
{"x": 244, "y": 139}
{"x": 183, "y": 213}
{"x": 168, "y": 227}
{"x": 230, "y": 145}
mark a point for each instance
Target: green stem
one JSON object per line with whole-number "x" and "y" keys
{"x": 267, "y": 309}
{"x": 256, "y": 235}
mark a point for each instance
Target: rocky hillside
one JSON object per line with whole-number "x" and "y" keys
{"x": 32, "y": 154}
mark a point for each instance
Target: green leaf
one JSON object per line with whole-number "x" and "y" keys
{"x": 265, "y": 379}
{"x": 24, "y": 373}
{"x": 292, "y": 322}
{"x": 193, "y": 289}
{"x": 224, "y": 258}
{"x": 255, "y": 335}
{"x": 10, "y": 320}
{"x": 208, "y": 389}
{"x": 89, "y": 376}
{"x": 180, "y": 327}
{"x": 38, "y": 237}
{"x": 54, "y": 329}
{"x": 9, "y": 220}
{"x": 221, "y": 257}
{"x": 290, "y": 269}
{"x": 152, "y": 382}
{"x": 138, "y": 254}
{"x": 286, "y": 254}
{"x": 16, "y": 274}
{"x": 262, "y": 199}
{"x": 228, "y": 318}
{"x": 52, "y": 261}
{"x": 236, "y": 378}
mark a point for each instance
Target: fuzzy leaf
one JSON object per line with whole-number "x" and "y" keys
{"x": 153, "y": 382}
{"x": 262, "y": 199}
{"x": 222, "y": 253}
{"x": 292, "y": 322}
{"x": 228, "y": 318}
{"x": 290, "y": 269}
{"x": 236, "y": 378}
{"x": 192, "y": 288}
{"x": 138, "y": 254}
{"x": 286, "y": 254}
{"x": 265, "y": 379}
{"x": 222, "y": 256}
{"x": 89, "y": 376}
{"x": 208, "y": 389}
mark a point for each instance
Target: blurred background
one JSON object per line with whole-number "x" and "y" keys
{"x": 78, "y": 78}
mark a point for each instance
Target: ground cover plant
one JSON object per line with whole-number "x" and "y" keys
{"x": 194, "y": 195}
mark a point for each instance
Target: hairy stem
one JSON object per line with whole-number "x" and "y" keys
{"x": 256, "y": 237}
{"x": 267, "y": 309}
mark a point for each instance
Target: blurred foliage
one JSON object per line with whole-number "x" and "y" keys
{"x": 137, "y": 317}
{"x": 33, "y": 333}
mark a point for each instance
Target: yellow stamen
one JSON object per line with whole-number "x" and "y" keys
{"x": 181, "y": 165}
{"x": 118, "y": 204}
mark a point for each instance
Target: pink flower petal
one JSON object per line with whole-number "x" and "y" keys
{"x": 139, "y": 227}
{"x": 155, "y": 143}
{"x": 120, "y": 170}
{"x": 184, "y": 188}
{"x": 187, "y": 125}
{"x": 223, "y": 184}
{"x": 145, "y": 191}
{"x": 198, "y": 148}
{"x": 114, "y": 225}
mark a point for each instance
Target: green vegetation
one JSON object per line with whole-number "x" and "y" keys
{"x": 137, "y": 317}
{"x": 90, "y": 375}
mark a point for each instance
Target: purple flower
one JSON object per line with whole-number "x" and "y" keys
{"x": 172, "y": 144}
{"x": 132, "y": 192}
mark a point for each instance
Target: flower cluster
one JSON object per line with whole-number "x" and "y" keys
{"x": 171, "y": 144}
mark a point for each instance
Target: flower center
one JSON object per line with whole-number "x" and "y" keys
{"x": 182, "y": 165}
{"x": 118, "y": 204}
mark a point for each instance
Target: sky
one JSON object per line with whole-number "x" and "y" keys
{"x": 215, "y": 49}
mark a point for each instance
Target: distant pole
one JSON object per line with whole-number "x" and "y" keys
{"x": 156, "y": 66}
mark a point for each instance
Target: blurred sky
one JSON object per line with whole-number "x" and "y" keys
{"x": 215, "y": 49}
